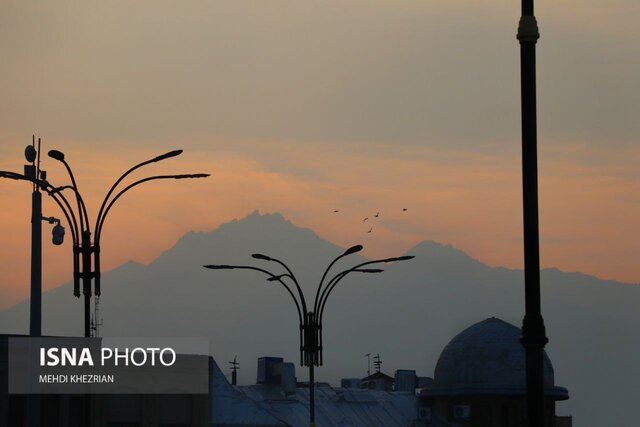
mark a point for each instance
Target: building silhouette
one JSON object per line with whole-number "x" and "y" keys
{"x": 480, "y": 381}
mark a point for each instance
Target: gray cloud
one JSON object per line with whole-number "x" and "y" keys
{"x": 401, "y": 73}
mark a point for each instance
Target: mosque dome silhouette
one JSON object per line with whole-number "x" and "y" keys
{"x": 487, "y": 358}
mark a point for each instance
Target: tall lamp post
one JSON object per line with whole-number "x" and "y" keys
{"x": 533, "y": 331}
{"x": 78, "y": 220}
{"x": 310, "y": 318}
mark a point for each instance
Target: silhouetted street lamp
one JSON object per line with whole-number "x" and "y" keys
{"x": 533, "y": 331}
{"x": 310, "y": 320}
{"x": 78, "y": 220}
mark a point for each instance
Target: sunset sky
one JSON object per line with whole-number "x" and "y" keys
{"x": 306, "y": 107}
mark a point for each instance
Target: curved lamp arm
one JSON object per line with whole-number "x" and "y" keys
{"x": 336, "y": 279}
{"x": 56, "y": 191}
{"x": 100, "y": 224}
{"x": 66, "y": 210}
{"x": 51, "y": 191}
{"x": 75, "y": 236}
{"x": 272, "y": 278}
{"x": 82, "y": 209}
{"x": 81, "y": 203}
{"x": 71, "y": 218}
{"x": 351, "y": 250}
{"x": 293, "y": 277}
{"x": 170, "y": 154}
{"x": 332, "y": 284}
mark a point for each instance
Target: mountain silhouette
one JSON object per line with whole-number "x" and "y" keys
{"x": 407, "y": 314}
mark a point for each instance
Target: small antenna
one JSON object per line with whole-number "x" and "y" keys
{"x": 235, "y": 365}
{"x": 38, "y": 172}
{"x": 33, "y": 144}
{"x": 96, "y": 320}
{"x": 38, "y": 168}
{"x": 368, "y": 356}
{"x": 377, "y": 362}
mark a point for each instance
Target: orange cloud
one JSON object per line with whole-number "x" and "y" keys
{"x": 471, "y": 200}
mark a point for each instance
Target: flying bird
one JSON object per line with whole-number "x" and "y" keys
{"x": 370, "y": 230}
{"x": 377, "y": 214}
{"x": 404, "y": 209}
{"x": 336, "y": 211}
{"x": 364, "y": 220}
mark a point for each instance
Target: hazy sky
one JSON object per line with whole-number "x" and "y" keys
{"x": 307, "y": 107}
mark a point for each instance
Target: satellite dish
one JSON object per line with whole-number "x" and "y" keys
{"x": 30, "y": 153}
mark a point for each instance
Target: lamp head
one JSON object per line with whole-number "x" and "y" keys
{"x": 353, "y": 250}
{"x": 260, "y": 256}
{"x": 191, "y": 175}
{"x": 167, "y": 155}
{"x": 55, "y": 154}
{"x": 400, "y": 258}
{"x": 219, "y": 267}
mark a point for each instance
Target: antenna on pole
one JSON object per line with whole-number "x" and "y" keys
{"x": 368, "y": 356}
{"x": 96, "y": 320}
{"x": 36, "y": 156}
{"x": 235, "y": 365}
{"x": 38, "y": 176}
{"x": 377, "y": 362}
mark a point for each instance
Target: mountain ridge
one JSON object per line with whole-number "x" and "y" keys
{"x": 431, "y": 246}
{"x": 408, "y": 313}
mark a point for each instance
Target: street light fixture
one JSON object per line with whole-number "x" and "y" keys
{"x": 310, "y": 321}
{"x": 85, "y": 252}
{"x": 86, "y": 247}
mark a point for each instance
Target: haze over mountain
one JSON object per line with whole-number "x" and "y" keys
{"x": 407, "y": 314}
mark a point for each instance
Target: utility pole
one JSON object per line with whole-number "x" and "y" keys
{"x": 377, "y": 362}
{"x": 234, "y": 370}
{"x": 368, "y": 356}
{"x": 35, "y": 303}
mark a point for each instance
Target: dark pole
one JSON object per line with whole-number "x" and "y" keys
{"x": 86, "y": 280}
{"x": 312, "y": 399}
{"x": 311, "y": 347}
{"x": 32, "y": 172}
{"x": 35, "y": 324}
{"x": 533, "y": 330}
{"x": 33, "y": 415}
